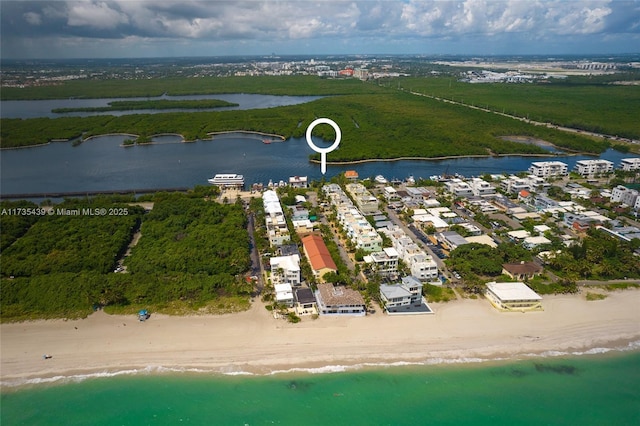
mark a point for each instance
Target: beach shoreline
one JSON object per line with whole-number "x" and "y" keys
{"x": 254, "y": 343}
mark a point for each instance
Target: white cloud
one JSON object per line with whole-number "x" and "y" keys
{"x": 377, "y": 25}
{"x": 95, "y": 14}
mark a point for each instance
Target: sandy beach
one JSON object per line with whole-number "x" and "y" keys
{"x": 255, "y": 342}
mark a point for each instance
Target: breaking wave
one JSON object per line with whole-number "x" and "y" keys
{"x": 328, "y": 369}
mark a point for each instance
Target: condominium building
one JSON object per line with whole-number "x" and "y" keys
{"x": 480, "y": 187}
{"x": 383, "y": 262}
{"x": 358, "y": 229}
{"x": 421, "y": 265}
{"x": 545, "y": 169}
{"x": 277, "y": 230}
{"x": 624, "y": 195}
{"x": 366, "y": 202}
{"x": 459, "y": 188}
{"x": 513, "y": 184}
{"x": 630, "y": 164}
{"x": 589, "y": 168}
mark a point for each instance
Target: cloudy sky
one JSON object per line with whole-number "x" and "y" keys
{"x": 153, "y": 28}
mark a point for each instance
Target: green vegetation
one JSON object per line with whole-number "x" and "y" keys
{"x": 584, "y": 103}
{"x": 436, "y": 294}
{"x": 152, "y": 104}
{"x": 191, "y": 257}
{"x": 175, "y": 86}
{"x": 597, "y": 257}
{"x": 590, "y": 296}
{"x": 563, "y": 286}
{"x": 388, "y": 126}
{"x": 479, "y": 259}
{"x": 70, "y": 241}
{"x": 15, "y": 224}
{"x": 184, "y": 235}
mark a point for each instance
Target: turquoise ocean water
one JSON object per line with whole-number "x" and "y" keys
{"x": 586, "y": 390}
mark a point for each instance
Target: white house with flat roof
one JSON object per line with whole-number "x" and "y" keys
{"x": 285, "y": 269}
{"x": 284, "y": 294}
{"x": 513, "y": 297}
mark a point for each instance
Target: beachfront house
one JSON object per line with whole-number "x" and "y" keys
{"x": 305, "y": 302}
{"x": 339, "y": 300}
{"x": 513, "y": 297}
{"x": 284, "y": 294}
{"x": 404, "y": 297}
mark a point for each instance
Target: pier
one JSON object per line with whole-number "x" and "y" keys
{"x": 88, "y": 193}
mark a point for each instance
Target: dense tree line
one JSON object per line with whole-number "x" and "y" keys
{"x": 71, "y": 241}
{"x": 380, "y": 125}
{"x": 598, "y": 257}
{"x": 192, "y": 251}
{"x": 190, "y": 235}
{"x": 13, "y": 225}
{"x": 176, "y": 86}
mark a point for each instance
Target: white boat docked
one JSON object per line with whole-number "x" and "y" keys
{"x": 380, "y": 179}
{"x": 227, "y": 180}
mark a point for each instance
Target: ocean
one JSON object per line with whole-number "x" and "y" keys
{"x": 600, "y": 389}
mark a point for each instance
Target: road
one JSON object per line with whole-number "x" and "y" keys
{"x": 256, "y": 264}
{"x": 393, "y": 217}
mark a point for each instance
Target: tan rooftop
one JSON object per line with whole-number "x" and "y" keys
{"x": 338, "y": 295}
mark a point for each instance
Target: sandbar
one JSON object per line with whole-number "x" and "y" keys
{"x": 253, "y": 342}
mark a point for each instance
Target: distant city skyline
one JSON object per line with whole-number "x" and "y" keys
{"x": 142, "y": 28}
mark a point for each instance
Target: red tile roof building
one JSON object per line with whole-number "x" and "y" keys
{"x": 318, "y": 254}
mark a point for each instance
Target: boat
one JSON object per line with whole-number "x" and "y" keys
{"x": 380, "y": 179}
{"x": 266, "y": 141}
{"x": 227, "y": 180}
{"x": 411, "y": 180}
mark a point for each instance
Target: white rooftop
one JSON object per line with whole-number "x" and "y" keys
{"x": 519, "y": 234}
{"x": 513, "y": 291}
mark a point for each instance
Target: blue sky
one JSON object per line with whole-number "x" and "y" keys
{"x": 153, "y": 28}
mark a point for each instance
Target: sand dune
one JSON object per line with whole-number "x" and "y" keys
{"x": 254, "y": 341}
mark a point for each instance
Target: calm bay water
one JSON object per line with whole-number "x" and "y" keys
{"x": 42, "y": 108}
{"x": 588, "y": 390}
{"x": 102, "y": 164}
